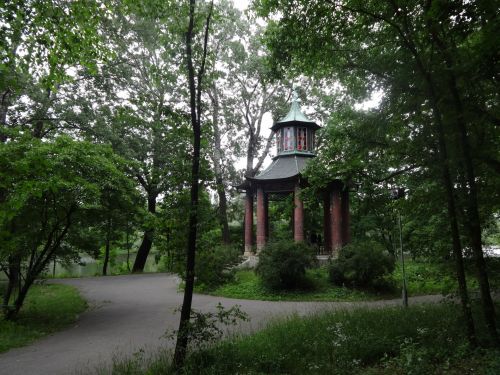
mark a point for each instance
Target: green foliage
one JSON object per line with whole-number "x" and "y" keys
{"x": 215, "y": 266}
{"x": 429, "y": 277}
{"x": 52, "y": 35}
{"x": 282, "y": 265}
{"x": 172, "y": 231}
{"x": 280, "y": 213}
{"x": 54, "y": 192}
{"x": 49, "y": 308}
{"x": 206, "y": 328}
{"x": 361, "y": 264}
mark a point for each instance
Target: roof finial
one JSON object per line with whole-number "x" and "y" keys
{"x": 295, "y": 95}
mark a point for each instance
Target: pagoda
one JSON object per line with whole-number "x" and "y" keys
{"x": 295, "y": 142}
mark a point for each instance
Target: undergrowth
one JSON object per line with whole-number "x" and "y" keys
{"x": 426, "y": 339}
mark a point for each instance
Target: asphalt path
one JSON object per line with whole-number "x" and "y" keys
{"x": 129, "y": 314}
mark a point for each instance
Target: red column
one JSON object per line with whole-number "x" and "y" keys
{"x": 266, "y": 215}
{"x": 298, "y": 216}
{"x": 261, "y": 220}
{"x": 346, "y": 234}
{"x": 327, "y": 237}
{"x": 336, "y": 220}
{"x": 248, "y": 223}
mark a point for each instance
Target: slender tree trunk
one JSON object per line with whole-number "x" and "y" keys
{"x": 4, "y": 107}
{"x": 221, "y": 191}
{"x": 147, "y": 240}
{"x": 452, "y": 213}
{"x": 13, "y": 275}
{"x": 128, "y": 246}
{"x": 107, "y": 249}
{"x": 473, "y": 221}
{"x": 217, "y": 160}
{"x": 195, "y": 105}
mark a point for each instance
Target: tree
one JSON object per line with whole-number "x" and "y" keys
{"x": 39, "y": 42}
{"x": 195, "y": 80}
{"x": 50, "y": 186}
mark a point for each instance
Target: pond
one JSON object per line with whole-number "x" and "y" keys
{"x": 89, "y": 266}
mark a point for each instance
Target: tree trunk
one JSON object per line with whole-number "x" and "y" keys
{"x": 107, "y": 250}
{"x": 195, "y": 105}
{"x": 473, "y": 222}
{"x": 127, "y": 241}
{"x": 217, "y": 160}
{"x": 250, "y": 154}
{"x": 221, "y": 191}
{"x": 38, "y": 129}
{"x": 147, "y": 240}
{"x": 452, "y": 213}
{"x": 4, "y": 107}
{"x": 23, "y": 292}
{"x": 14, "y": 278}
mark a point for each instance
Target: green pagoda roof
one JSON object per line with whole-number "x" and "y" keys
{"x": 284, "y": 167}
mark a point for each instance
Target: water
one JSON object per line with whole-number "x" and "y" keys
{"x": 91, "y": 267}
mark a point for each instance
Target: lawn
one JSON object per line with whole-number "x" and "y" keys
{"x": 48, "y": 308}
{"x": 247, "y": 285}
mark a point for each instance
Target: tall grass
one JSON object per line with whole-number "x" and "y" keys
{"x": 425, "y": 339}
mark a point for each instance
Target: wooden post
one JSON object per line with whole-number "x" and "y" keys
{"x": 248, "y": 223}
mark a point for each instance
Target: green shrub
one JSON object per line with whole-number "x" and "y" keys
{"x": 282, "y": 265}
{"x": 214, "y": 266}
{"x": 361, "y": 264}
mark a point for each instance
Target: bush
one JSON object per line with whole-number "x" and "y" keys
{"x": 214, "y": 266}
{"x": 362, "y": 264}
{"x": 282, "y": 265}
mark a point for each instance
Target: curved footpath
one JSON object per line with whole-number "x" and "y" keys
{"x": 130, "y": 313}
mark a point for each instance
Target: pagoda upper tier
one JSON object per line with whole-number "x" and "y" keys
{"x": 295, "y": 133}
{"x": 295, "y": 140}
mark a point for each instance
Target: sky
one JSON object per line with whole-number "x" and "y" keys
{"x": 241, "y": 4}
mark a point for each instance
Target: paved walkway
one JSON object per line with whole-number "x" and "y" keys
{"x": 129, "y": 313}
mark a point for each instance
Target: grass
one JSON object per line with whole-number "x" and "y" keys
{"x": 48, "y": 308}
{"x": 422, "y": 278}
{"x": 425, "y": 339}
{"x": 247, "y": 285}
